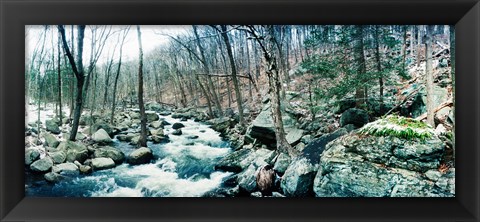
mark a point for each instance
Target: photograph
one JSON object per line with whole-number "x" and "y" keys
{"x": 213, "y": 111}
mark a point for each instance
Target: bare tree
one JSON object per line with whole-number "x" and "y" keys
{"x": 119, "y": 65}
{"x": 238, "y": 94}
{"x": 77, "y": 68}
{"x": 142, "y": 142}
{"x": 429, "y": 76}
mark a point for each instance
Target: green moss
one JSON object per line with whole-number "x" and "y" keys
{"x": 397, "y": 126}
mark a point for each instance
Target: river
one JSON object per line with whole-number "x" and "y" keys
{"x": 183, "y": 167}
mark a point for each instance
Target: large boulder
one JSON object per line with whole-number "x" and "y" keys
{"x": 50, "y": 140}
{"x": 115, "y": 154}
{"x": 102, "y": 163}
{"x": 140, "y": 156}
{"x": 380, "y": 166}
{"x": 282, "y": 163}
{"x": 31, "y": 155}
{"x": 52, "y": 126}
{"x": 357, "y": 117}
{"x": 65, "y": 168}
{"x": 102, "y": 125}
{"x": 298, "y": 178}
{"x": 42, "y": 165}
{"x": 262, "y": 127}
{"x": 102, "y": 137}
{"x": 247, "y": 179}
{"x": 74, "y": 151}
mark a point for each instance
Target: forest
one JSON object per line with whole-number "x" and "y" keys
{"x": 240, "y": 111}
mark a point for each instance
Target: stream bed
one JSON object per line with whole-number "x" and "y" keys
{"x": 182, "y": 167}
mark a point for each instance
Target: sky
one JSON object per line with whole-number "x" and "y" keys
{"x": 151, "y": 38}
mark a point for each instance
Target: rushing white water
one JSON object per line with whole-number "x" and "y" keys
{"x": 184, "y": 167}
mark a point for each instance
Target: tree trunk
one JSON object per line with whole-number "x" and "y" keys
{"x": 275, "y": 84}
{"x": 234, "y": 74}
{"x": 115, "y": 83}
{"x": 142, "y": 142}
{"x": 77, "y": 67}
{"x": 60, "y": 115}
{"x": 207, "y": 71}
{"x": 379, "y": 66}
{"x": 419, "y": 44}
{"x": 361, "y": 67}
{"x": 452, "y": 64}
{"x": 429, "y": 76}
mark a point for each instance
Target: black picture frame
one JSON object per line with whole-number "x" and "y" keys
{"x": 15, "y": 14}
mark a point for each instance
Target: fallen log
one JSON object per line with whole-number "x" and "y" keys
{"x": 441, "y": 106}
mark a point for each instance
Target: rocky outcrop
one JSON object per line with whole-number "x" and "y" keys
{"x": 298, "y": 178}
{"x": 140, "y": 156}
{"x": 221, "y": 124}
{"x": 109, "y": 152}
{"x": 382, "y": 167}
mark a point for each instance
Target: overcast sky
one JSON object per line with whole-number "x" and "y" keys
{"x": 151, "y": 38}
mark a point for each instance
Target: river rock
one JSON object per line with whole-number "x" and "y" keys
{"x": 159, "y": 139}
{"x": 74, "y": 151}
{"x": 80, "y": 136}
{"x": 102, "y": 163}
{"x": 52, "y": 126}
{"x": 231, "y": 162}
{"x": 221, "y": 124}
{"x": 177, "y": 126}
{"x": 50, "y": 140}
{"x": 151, "y": 116}
{"x": 85, "y": 169}
{"x": 177, "y": 132}
{"x": 140, "y": 156}
{"x": 31, "y": 155}
{"x": 52, "y": 177}
{"x": 102, "y": 125}
{"x": 156, "y": 124}
{"x": 42, "y": 165}
{"x": 115, "y": 154}
{"x": 58, "y": 156}
{"x": 357, "y": 117}
{"x": 371, "y": 166}
{"x": 65, "y": 168}
{"x": 282, "y": 163}
{"x": 102, "y": 137}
